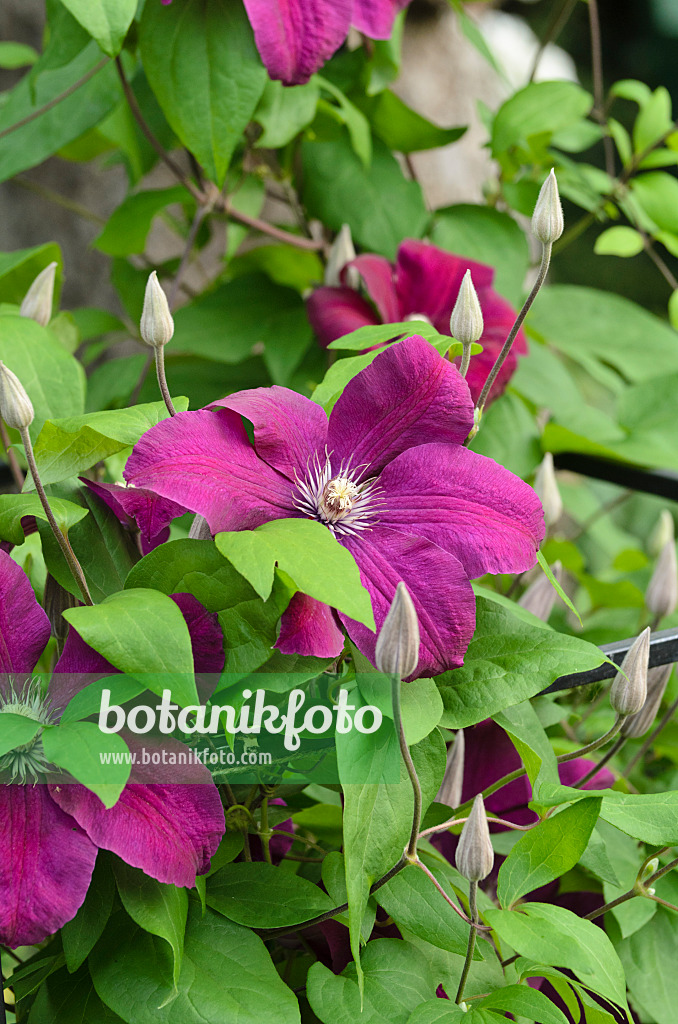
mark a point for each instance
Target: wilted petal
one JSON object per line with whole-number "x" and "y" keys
{"x": 24, "y": 626}
{"x": 468, "y": 504}
{"x": 334, "y": 312}
{"x": 436, "y": 581}
{"x": 288, "y": 428}
{"x": 168, "y": 821}
{"x": 378, "y": 276}
{"x": 204, "y": 460}
{"x": 428, "y": 280}
{"x": 46, "y": 864}
{"x": 149, "y": 510}
{"x": 309, "y": 627}
{"x": 375, "y": 17}
{"x": 295, "y": 37}
{"x": 408, "y": 396}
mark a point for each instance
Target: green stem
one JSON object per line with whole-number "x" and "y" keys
{"x": 614, "y": 749}
{"x": 265, "y": 831}
{"x": 465, "y": 360}
{"x": 411, "y": 852}
{"x": 637, "y": 890}
{"x": 162, "y": 379}
{"x": 473, "y": 907}
{"x": 57, "y": 99}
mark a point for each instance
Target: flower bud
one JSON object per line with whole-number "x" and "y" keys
{"x": 466, "y": 322}
{"x": 341, "y": 252}
{"x": 648, "y": 870}
{"x": 629, "y": 690}
{"x": 157, "y": 325}
{"x": 37, "y": 304}
{"x": 397, "y": 650}
{"x": 475, "y": 857}
{"x": 15, "y": 405}
{"x": 451, "y": 786}
{"x": 540, "y": 596}
{"x": 546, "y": 486}
{"x": 637, "y": 725}
{"x": 662, "y": 533}
{"x": 661, "y": 595}
{"x": 547, "y": 219}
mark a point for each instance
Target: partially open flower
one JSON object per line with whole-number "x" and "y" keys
{"x": 37, "y": 304}
{"x": 475, "y": 855}
{"x": 16, "y": 407}
{"x": 629, "y": 689}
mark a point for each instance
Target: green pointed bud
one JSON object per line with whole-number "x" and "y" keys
{"x": 157, "y": 325}
{"x": 629, "y": 689}
{"x": 540, "y": 596}
{"x": 451, "y": 786}
{"x": 637, "y": 725}
{"x": 662, "y": 533}
{"x": 648, "y": 870}
{"x": 37, "y": 304}
{"x": 397, "y": 650}
{"x": 466, "y": 322}
{"x": 16, "y": 408}
{"x": 341, "y": 252}
{"x": 546, "y": 486}
{"x": 661, "y": 596}
{"x": 475, "y": 857}
{"x": 547, "y": 219}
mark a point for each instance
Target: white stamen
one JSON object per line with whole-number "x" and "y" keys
{"x": 338, "y": 500}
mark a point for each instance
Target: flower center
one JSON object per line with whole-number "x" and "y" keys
{"x": 27, "y": 759}
{"x": 343, "y": 502}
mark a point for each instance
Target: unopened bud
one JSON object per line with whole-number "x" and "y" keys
{"x": 37, "y": 304}
{"x": 546, "y": 486}
{"x": 200, "y": 529}
{"x": 397, "y": 650}
{"x": 540, "y": 596}
{"x": 466, "y": 322}
{"x": 341, "y": 252}
{"x": 475, "y": 857}
{"x": 661, "y": 595}
{"x": 648, "y": 870}
{"x": 629, "y": 689}
{"x": 547, "y": 219}
{"x": 662, "y": 533}
{"x": 157, "y": 325}
{"x": 15, "y": 405}
{"x": 637, "y": 725}
{"x": 453, "y": 779}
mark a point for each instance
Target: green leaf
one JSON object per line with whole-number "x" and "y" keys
{"x": 309, "y": 554}
{"x": 14, "y": 507}
{"x": 397, "y": 979}
{"x": 442, "y": 1011}
{"x": 16, "y": 55}
{"x": 142, "y": 632}
{"x": 626, "y": 857}
{"x": 15, "y": 730}
{"x": 209, "y": 44}
{"x": 510, "y": 436}
{"x": 412, "y": 900}
{"x": 508, "y": 660}
{"x": 381, "y": 206}
{"x": 539, "y": 108}
{"x": 530, "y": 740}
{"x": 77, "y": 747}
{"x": 547, "y": 851}
{"x": 80, "y": 935}
{"x": 651, "y": 968}
{"x": 67, "y": 446}
{"x": 552, "y": 935}
{"x": 283, "y": 111}
{"x": 619, "y": 241}
{"x": 421, "y": 703}
{"x": 657, "y": 193}
{"x": 652, "y": 817}
{"x": 556, "y": 585}
{"x": 402, "y": 129}
{"x": 653, "y": 121}
{"x": 521, "y": 1000}
{"x": 159, "y": 909}
{"x": 19, "y": 269}
{"x": 226, "y": 976}
{"x": 347, "y": 113}
{"x": 128, "y": 226}
{"x": 379, "y": 334}
{"x": 262, "y": 896}
{"x": 70, "y": 999}
{"x": 53, "y": 379}
{"x": 673, "y": 309}
{"x": 107, "y": 21}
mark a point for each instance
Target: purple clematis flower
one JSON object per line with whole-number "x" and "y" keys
{"x": 50, "y": 833}
{"x": 388, "y": 475}
{"x": 422, "y": 284}
{"x": 138, "y": 509}
{"x": 295, "y": 37}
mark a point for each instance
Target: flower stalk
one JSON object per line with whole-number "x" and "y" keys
{"x": 473, "y": 910}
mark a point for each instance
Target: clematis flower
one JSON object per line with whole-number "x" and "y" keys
{"x": 388, "y": 475}
{"x": 138, "y": 509}
{"x": 295, "y": 37}
{"x": 423, "y": 284}
{"x": 50, "y": 833}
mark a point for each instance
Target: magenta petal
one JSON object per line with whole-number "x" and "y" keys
{"x": 151, "y": 512}
{"x": 295, "y": 37}
{"x": 168, "y": 828}
{"x": 571, "y": 772}
{"x": 24, "y": 626}
{"x": 205, "y": 461}
{"x": 309, "y": 627}
{"x": 428, "y": 280}
{"x": 46, "y": 864}
{"x": 438, "y": 586}
{"x": 468, "y": 504}
{"x": 375, "y": 17}
{"x": 288, "y": 428}
{"x": 207, "y": 638}
{"x": 378, "y": 275}
{"x": 499, "y": 316}
{"x": 334, "y": 312}
{"x": 408, "y": 396}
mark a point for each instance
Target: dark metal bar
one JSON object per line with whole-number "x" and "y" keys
{"x": 662, "y": 482}
{"x": 663, "y": 651}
